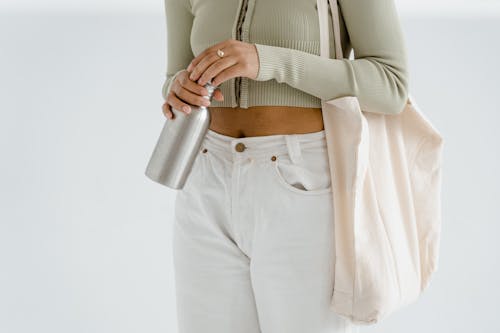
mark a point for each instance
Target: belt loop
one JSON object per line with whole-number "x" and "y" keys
{"x": 293, "y": 146}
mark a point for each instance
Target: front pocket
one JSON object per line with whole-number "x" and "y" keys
{"x": 310, "y": 176}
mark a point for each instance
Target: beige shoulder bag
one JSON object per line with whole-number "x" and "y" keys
{"x": 386, "y": 175}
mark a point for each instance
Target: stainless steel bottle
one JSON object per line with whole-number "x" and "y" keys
{"x": 179, "y": 143}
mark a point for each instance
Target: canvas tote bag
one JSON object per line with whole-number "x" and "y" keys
{"x": 386, "y": 175}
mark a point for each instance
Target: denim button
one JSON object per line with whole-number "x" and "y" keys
{"x": 240, "y": 146}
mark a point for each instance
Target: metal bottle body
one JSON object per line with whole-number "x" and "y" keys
{"x": 178, "y": 145}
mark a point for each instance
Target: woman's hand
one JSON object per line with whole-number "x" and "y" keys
{"x": 240, "y": 59}
{"x": 185, "y": 92}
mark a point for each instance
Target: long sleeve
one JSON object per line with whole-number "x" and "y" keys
{"x": 378, "y": 74}
{"x": 179, "y": 54}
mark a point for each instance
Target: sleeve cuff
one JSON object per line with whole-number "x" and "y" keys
{"x": 168, "y": 84}
{"x": 276, "y": 63}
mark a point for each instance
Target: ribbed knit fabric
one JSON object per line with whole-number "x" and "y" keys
{"x": 286, "y": 35}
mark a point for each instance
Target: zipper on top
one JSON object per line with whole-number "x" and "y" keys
{"x": 239, "y": 27}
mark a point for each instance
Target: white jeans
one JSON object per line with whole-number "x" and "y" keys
{"x": 253, "y": 237}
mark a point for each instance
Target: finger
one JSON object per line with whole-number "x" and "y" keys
{"x": 215, "y": 69}
{"x": 209, "y": 58}
{"x": 192, "y": 86}
{"x": 218, "y": 95}
{"x": 178, "y": 104}
{"x": 166, "y": 111}
{"x": 191, "y": 98}
{"x": 200, "y": 56}
{"x": 228, "y": 73}
{"x": 202, "y": 65}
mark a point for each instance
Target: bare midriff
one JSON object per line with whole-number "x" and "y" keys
{"x": 265, "y": 120}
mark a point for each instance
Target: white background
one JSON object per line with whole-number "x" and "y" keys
{"x": 85, "y": 242}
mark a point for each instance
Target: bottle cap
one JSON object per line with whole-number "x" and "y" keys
{"x": 210, "y": 89}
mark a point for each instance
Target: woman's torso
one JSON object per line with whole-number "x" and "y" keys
{"x": 285, "y": 23}
{"x": 265, "y": 120}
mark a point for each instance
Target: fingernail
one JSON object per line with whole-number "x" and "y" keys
{"x": 186, "y": 108}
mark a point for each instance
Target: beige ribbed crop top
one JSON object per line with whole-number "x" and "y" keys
{"x": 286, "y": 35}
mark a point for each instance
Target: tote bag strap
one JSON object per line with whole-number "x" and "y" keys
{"x": 324, "y": 31}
